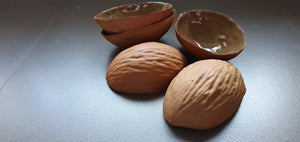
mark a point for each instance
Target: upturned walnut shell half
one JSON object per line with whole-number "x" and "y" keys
{"x": 208, "y": 34}
{"x": 132, "y": 16}
{"x": 151, "y": 32}
{"x": 145, "y": 68}
{"x": 204, "y": 95}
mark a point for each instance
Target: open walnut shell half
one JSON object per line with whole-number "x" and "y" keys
{"x": 208, "y": 34}
{"x": 151, "y": 32}
{"x": 132, "y": 16}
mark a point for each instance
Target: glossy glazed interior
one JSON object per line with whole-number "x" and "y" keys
{"x": 133, "y": 10}
{"x": 211, "y": 31}
{"x": 152, "y": 32}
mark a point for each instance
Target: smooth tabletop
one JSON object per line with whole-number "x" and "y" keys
{"x": 53, "y": 62}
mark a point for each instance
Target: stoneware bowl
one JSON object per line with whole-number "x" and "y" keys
{"x": 151, "y": 32}
{"x": 208, "y": 34}
{"x": 132, "y": 16}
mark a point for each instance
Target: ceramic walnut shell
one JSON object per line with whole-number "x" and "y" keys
{"x": 204, "y": 95}
{"x": 145, "y": 68}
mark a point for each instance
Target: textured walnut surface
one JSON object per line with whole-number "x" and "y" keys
{"x": 145, "y": 68}
{"x": 204, "y": 94}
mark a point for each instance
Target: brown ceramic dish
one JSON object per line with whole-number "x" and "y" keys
{"x": 208, "y": 34}
{"x": 151, "y": 32}
{"x": 132, "y": 16}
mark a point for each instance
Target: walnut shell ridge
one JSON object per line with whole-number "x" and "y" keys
{"x": 145, "y": 68}
{"x": 204, "y": 95}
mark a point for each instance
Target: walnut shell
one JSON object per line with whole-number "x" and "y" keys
{"x": 145, "y": 68}
{"x": 204, "y": 95}
{"x": 132, "y": 16}
{"x": 208, "y": 34}
{"x": 152, "y": 32}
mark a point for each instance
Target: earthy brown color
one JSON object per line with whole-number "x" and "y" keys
{"x": 151, "y": 32}
{"x": 145, "y": 68}
{"x": 132, "y": 16}
{"x": 208, "y": 34}
{"x": 204, "y": 95}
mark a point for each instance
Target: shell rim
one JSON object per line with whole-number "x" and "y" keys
{"x": 214, "y": 12}
{"x": 115, "y": 7}
{"x": 104, "y": 33}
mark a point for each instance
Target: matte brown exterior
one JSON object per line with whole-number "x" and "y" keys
{"x": 151, "y": 32}
{"x": 125, "y": 24}
{"x": 145, "y": 68}
{"x": 199, "y": 52}
{"x": 204, "y": 95}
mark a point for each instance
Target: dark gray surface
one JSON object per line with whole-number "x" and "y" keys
{"x": 57, "y": 89}
{"x": 22, "y": 24}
